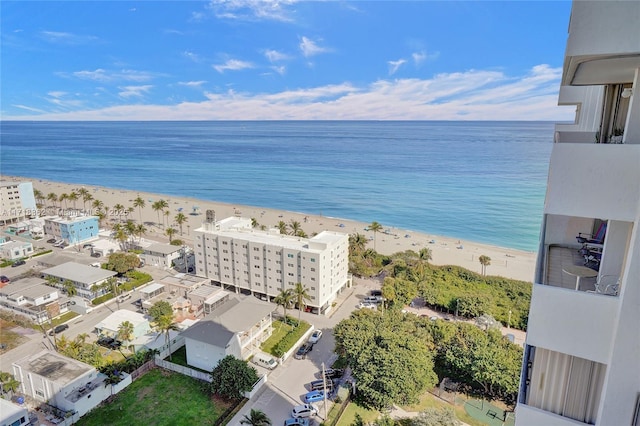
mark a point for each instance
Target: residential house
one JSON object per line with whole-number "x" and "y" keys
{"x": 237, "y": 328}
{"x": 31, "y": 297}
{"x": 161, "y": 255}
{"x": 12, "y": 414}
{"x": 110, "y": 325}
{"x": 71, "y": 386}
{"x": 13, "y": 250}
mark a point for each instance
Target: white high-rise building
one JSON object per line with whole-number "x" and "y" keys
{"x": 233, "y": 254}
{"x": 582, "y": 353}
{"x": 16, "y": 202}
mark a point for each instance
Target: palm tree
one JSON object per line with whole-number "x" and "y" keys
{"x": 375, "y": 227}
{"x": 63, "y": 197}
{"x": 140, "y": 204}
{"x": 52, "y": 197}
{"x": 140, "y": 231}
{"x": 69, "y": 288}
{"x": 37, "y": 194}
{"x": 284, "y": 299}
{"x": 357, "y": 244}
{"x": 73, "y": 196}
{"x": 97, "y": 204}
{"x": 294, "y": 225}
{"x": 256, "y": 418}
{"x": 112, "y": 284}
{"x": 165, "y": 325}
{"x": 170, "y": 233}
{"x": 300, "y": 294}
{"x": 254, "y": 222}
{"x": 157, "y": 206}
{"x": 484, "y": 261}
{"x": 282, "y": 226}
{"x": 180, "y": 219}
{"x": 86, "y": 196}
{"x": 120, "y": 234}
{"x": 125, "y": 331}
{"x": 119, "y": 208}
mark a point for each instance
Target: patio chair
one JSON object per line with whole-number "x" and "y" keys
{"x": 607, "y": 284}
{"x": 596, "y": 238}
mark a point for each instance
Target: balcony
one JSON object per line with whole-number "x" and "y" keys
{"x": 559, "y": 389}
{"x": 584, "y": 254}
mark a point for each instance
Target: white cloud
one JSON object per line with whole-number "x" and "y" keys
{"x": 418, "y": 57}
{"x": 192, "y": 83}
{"x": 279, "y": 69}
{"x": 311, "y": 48}
{"x": 56, "y": 94}
{"x": 192, "y": 56}
{"x": 469, "y": 95}
{"x": 275, "y": 56}
{"x": 233, "y": 65}
{"x": 60, "y": 37}
{"x": 134, "y": 91}
{"x": 252, "y": 10}
{"x": 395, "y": 65}
{"x": 111, "y": 76}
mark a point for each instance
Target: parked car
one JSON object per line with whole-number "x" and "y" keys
{"x": 18, "y": 263}
{"x": 363, "y": 305}
{"x": 87, "y": 245}
{"x": 296, "y": 422}
{"x": 304, "y": 350}
{"x": 371, "y": 299}
{"x": 376, "y": 293}
{"x": 124, "y": 297}
{"x": 315, "y": 336}
{"x": 108, "y": 342}
{"x": 4, "y": 279}
{"x": 95, "y": 254}
{"x": 319, "y": 385}
{"x": 304, "y": 410}
{"x": 331, "y": 373}
{"x": 58, "y": 329}
{"x": 51, "y": 240}
{"x": 314, "y": 396}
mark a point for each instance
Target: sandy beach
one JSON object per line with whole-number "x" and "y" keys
{"x": 505, "y": 262}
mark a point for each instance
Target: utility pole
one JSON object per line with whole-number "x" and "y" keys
{"x": 324, "y": 387}
{"x": 509, "y": 322}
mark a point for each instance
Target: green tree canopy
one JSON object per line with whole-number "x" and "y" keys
{"x": 159, "y": 310}
{"x": 390, "y": 356}
{"x": 256, "y": 418}
{"x": 436, "y": 417}
{"x": 232, "y": 377}
{"x": 122, "y": 262}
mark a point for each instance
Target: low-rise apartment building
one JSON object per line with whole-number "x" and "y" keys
{"x": 16, "y": 202}
{"x": 72, "y": 229}
{"x": 86, "y": 279}
{"x": 233, "y": 254}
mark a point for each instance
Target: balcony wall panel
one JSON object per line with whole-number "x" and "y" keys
{"x": 530, "y": 416}
{"x": 594, "y": 180}
{"x": 573, "y": 322}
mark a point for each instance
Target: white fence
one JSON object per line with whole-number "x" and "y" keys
{"x": 256, "y": 387}
{"x": 293, "y": 349}
{"x": 183, "y": 370}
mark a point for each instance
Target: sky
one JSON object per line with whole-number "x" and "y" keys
{"x": 282, "y": 60}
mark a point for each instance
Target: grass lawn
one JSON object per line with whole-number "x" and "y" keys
{"x": 430, "y": 401}
{"x": 349, "y": 415}
{"x": 280, "y": 330}
{"x": 158, "y": 398}
{"x": 8, "y": 337}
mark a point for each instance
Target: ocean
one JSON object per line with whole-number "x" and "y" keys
{"x": 478, "y": 181}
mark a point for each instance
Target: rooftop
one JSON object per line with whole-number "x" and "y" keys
{"x": 236, "y": 228}
{"x": 113, "y": 321}
{"x": 54, "y": 367}
{"x": 234, "y": 316}
{"x": 184, "y": 280}
{"x": 162, "y": 248}
{"x": 72, "y": 219}
{"x": 77, "y": 272}
{"x": 30, "y": 288}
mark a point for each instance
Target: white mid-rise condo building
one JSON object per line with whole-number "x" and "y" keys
{"x": 233, "y": 254}
{"x": 582, "y": 354}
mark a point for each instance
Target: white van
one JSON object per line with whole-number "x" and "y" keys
{"x": 264, "y": 360}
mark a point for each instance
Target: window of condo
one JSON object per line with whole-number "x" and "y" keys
{"x": 256, "y": 249}
{"x": 313, "y": 259}
{"x": 290, "y": 256}
{"x": 313, "y": 269}
{"x": 225, "y": 251}
{"x": 313, "y": 288}
{"x": 256, "y": 257}
{"x": 313, "y": 279}
{"x": 256, "y": 266}
{"x": 290, "y": 274}
{"x": 290, "y": 265}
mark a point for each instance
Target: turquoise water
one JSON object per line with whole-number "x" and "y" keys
{"x": 479, "y": 181}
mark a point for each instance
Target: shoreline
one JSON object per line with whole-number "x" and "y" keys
{"x": 506, "y": 262}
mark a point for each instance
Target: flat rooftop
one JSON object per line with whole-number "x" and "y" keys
{"x": 77, "y": 272}
{"x": 54, "y": 367}
{"x": 184, "y": 280}
{"x": 162, "y": 248}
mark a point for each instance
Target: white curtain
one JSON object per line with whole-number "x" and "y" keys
{"x": 565, "y": 385}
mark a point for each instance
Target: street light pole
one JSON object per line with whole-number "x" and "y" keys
{"x": 509, "y": 322}
{"x": 457, "y": 305}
